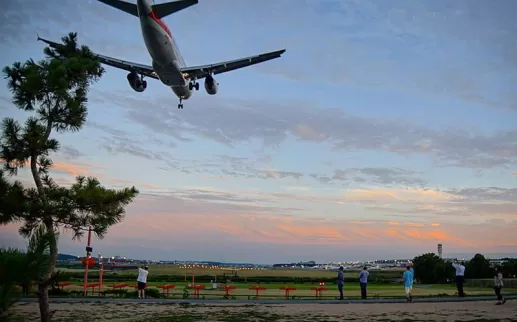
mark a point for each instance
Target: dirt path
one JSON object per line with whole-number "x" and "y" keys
{"x": 88, "y": 311}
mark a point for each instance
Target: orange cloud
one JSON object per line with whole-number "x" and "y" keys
{"x": 71, "y": 169}
{"x": 413, "y": 224}
{"x": 400, "y": 195}
{"x": 306, "y": 132}
{"x": 284, "y": 230}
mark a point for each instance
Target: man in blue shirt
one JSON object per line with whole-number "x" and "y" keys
{"x": 408, "y": 283}
{"x": 363, "y": 279}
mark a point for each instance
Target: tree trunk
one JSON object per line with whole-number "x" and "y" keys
{"x": 44, "y": 308}
{"x": 44, "y": 281}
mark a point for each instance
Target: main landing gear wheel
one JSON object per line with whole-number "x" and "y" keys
{"x": 193, "y": 85}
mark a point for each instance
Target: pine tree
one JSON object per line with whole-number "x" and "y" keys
{"x": 55, "y": 90}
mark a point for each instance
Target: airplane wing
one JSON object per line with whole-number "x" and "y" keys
{"x": 142, "y": 69}
{"x": 199, "y": 72}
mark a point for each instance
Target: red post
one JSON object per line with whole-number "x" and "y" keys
{"x": 165, "y": 288}
{"x": 227, "y": 288}
{"x": 196, "y": 289}
{"x": 257, "y": 289}
{"x": 318, "y": 290}
{"x": 100, "y": 274}
{"x": 287, "y": 289}
{"x": 88, "y": 252}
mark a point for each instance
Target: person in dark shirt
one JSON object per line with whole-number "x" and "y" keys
{"x": 363, "y": 281}
{"x": 340, "y": 282}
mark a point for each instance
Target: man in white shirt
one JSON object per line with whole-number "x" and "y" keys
{"x": 460, "y": 277}
{"x": 142, "y": 280}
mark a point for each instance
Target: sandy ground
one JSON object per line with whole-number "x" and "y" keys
{"x": 90, "y": 311}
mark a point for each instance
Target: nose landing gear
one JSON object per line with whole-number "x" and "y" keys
{"x": 180, "y": 105}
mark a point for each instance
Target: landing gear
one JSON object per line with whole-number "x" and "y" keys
{"x": 193, "y": 84}
{"x": 180, "y": 105}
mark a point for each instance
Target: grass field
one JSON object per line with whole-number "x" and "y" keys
{"x": 242, "y": 291}
{"x": 304, "y": 290}
{"x": 178, "y": 270}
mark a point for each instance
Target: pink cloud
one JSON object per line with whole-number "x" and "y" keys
{"x": 257, "y": 218}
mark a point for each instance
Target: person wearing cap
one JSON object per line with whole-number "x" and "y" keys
{"x": 142, "y": 280}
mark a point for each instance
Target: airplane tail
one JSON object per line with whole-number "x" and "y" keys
{"x": 161, "y": 9}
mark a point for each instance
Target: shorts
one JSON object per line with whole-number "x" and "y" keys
{"x": 409, "y": 289}
{"x": 141, "y": 286}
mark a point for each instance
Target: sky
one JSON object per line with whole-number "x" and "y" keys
{"x": 387, "y": 127}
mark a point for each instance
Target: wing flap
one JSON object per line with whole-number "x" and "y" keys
{"x": 223, "y": 67}
{"x": 142, "y": 69}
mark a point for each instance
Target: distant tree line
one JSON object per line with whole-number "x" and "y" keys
{"x": 430, "y": 268}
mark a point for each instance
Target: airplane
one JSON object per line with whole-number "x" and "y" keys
{"x": 168, "y": 64}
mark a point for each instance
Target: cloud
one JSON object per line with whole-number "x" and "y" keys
{"x": 123, "y": 142}
{"x": 408, "y": 195}
{"x": 402, "y": 48}
{"x": 479, "y": 204}
{"x": 225, "y": 166}
{"x": 210, "y": 217}
{"x": 514, "y": 174}
{"x": 231, "y": 122}
{"x": 68, "y": 168}
{"x": 71, "y": 153}
{"x": 486, "y": 194}
{"x": 382, "y": 176}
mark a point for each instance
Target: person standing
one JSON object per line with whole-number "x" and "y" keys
{"x": 408, "y": 283}
{"x": 340, "y": 282}
{"x": 460, "y": 277}
{"x": 412, "y": 270}
{"x": 363, "y": 280}
{"x": 142, "y": 280}
{"x": 498, "y": 286}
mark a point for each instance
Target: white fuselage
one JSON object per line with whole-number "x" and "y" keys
{"x": 167, "y": 59}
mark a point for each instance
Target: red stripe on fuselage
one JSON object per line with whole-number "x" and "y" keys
{"x": 159, "y": 21}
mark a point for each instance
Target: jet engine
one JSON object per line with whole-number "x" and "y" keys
{"x": 211, "y": 85}
{"x": 136, "y": 82}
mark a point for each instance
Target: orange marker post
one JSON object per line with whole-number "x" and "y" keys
{"x": 257, "y": 289}
{"x": 287, "y": 289}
